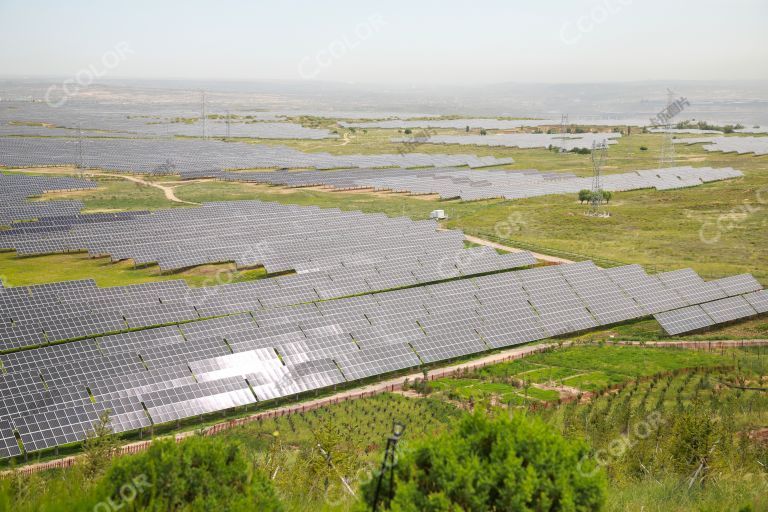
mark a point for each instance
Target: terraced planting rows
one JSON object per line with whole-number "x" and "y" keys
{"x": 588, "y": 368}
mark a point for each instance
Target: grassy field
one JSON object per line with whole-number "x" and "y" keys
{"x": 635, "y": 429}
{"x": 117, "y": 194}
{"x": 26, "y": 271}
{"x": 662, "y": 230}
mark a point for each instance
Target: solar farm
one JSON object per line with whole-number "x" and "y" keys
{"x": 351, "y": 279}
{"x": 316, "y": 257}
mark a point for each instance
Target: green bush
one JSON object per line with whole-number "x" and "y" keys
{"x": 502, "y": 463}
{"x": 199, "y": 474}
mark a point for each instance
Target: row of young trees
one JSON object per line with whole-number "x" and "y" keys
{"x": 586, "y": 195}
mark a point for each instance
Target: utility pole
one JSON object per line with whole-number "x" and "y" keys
{"x": 563, "y": 130}
{"x": 80, "y": 159}
{"x": 667, "y": 157}
{"x": 204, "y": 117}
{"x": 389, "y": 463}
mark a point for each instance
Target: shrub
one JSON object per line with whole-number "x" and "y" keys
{"x": 516, "y": 463}
{"x": 198, "y": 474}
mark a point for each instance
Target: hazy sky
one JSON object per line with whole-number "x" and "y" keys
{"x": 394, "y": 41}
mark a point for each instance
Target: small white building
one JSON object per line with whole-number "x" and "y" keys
{"x": 437, "y": 214}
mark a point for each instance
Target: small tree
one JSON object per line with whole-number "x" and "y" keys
{"x": 584, "y": 195}
{"x": 693, "y": 440}
{"x": 99, "y": 446}
{"x": 408, "y": 131}
{"x": 483, "y": 132}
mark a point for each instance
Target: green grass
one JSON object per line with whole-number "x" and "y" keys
{"x": 650, "y": 330}
{"x": 15, "y": 271}
{"x": 116, "y": 194}
{"x": 585, "y": 367}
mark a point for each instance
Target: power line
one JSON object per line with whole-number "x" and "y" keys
{"x": 667, "y": 157}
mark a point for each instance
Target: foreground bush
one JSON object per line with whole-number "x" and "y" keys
{"x": 515, "y": 464}
{"x": 199, "y": 474}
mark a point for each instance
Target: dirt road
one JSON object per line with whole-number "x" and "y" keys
{"x": 538, "y": 256}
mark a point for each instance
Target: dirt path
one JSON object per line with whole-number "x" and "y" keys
{"x": 167, "y": 189}
{"x": 538, "y": 256}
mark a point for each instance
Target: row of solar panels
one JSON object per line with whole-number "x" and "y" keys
{"x": 53, "y": 394}
{"x": 474, "y": 185}
{"x": 202, "y": 157}
{"x": 740, "y": 145}
{"x": 26, "y": 118}
{"x": 15, "y": 189}
{"x": 250, "y": 233}
{"x": 31, "y": 316}
{"x": 565, "y": 141}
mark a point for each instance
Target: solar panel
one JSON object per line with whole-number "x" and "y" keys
{"x": 683, "y": 320}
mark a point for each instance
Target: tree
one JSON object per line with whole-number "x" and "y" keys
{"x": 99, "y": 446}
{"x": 584, "y": 195}
{"x": 693, "y": 439}
{"x": 607, "y": 195}
{"x": 466, "y": 129}
{"x": 198, "y": 474}
{"x": 501, "y": 463}
{"x": 483, "y": 132}
{"x": 408, "y": 131}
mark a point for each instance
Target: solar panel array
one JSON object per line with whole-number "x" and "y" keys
{"x": 195, "y": 158}
{"x": 457, "y": 124}
{"x": 489, "y": 123}
{"x": 26, "y": 118}
{"x": 520, "y": 140}
{"x": 740, "y": 145}
{"x": 249, "y": 233}
{"x": 473, "y": 185}
{"x": 16, "y": 189}
{"x": 267, "y": 349}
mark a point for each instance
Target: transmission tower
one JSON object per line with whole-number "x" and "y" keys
{"x": 563, "y": 130}
{"x": 667, "y": 157}
{"x": 228, "y": 126}
{"x": 80, "y": 158}
{"x": 596, "y": 196}
{"x": 204, "y": 116}
{"x": 389, "y": 463}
